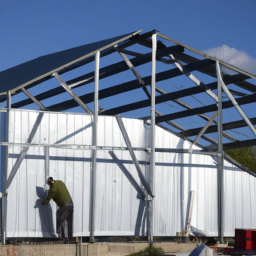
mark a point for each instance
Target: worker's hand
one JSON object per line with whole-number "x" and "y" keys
{"x": 44, "y": 202}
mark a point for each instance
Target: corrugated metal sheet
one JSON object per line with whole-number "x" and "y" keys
{"x": 119, "y": 208}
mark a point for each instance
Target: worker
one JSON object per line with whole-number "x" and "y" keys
{"x": 60, "y": 195}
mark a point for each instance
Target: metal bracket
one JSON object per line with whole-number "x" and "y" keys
{"x": 91, "y": 240}
{"x": 147, "y": 198}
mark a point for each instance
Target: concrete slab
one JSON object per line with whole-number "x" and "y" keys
{"x": 96, "y": 249}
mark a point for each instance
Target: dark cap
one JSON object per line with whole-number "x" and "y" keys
{"x": 49, "y": 180}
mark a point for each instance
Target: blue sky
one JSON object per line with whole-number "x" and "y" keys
{"x": 30, "y": 29}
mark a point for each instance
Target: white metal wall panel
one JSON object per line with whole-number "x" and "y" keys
{"x": 119, "y": 207}
{"x": 117, "y": 200}
{"x": 178, "y": 174}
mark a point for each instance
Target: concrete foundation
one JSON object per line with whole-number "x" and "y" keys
{"x": 96, "y": 249}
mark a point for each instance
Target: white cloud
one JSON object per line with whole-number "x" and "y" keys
{"x": 239, "y": 59}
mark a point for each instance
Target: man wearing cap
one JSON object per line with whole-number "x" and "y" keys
{"x": 60, "y": 195}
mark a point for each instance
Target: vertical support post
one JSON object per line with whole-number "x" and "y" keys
{"x": 4, "y": 181}
{"x": 46, "y": 167}
{"x": 152, "y": 140}
{"x": 94, "y": 150}
{"x": 220, "y": 160}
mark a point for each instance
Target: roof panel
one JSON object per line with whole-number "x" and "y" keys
{"x": 37, "y": 67}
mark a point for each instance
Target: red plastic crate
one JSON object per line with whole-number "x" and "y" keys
{"x": 245, "y": 239}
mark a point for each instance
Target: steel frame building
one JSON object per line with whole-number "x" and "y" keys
{"x": 20, "y": 78}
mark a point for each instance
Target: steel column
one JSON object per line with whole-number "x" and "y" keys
{"x": 4, "y": 182}
{"x": 46, "y": 163}
{"x": 94, "y": 150}
{"x": 152, "y": 140}
{"x": 220, "y": 161}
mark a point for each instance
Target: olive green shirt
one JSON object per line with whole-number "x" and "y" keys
{"x": 59, "y": 193}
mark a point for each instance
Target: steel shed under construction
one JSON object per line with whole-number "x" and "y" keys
{"x": 126, "y": 176}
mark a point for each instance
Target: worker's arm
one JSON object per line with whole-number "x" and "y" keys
{"x": 51, "y": 194}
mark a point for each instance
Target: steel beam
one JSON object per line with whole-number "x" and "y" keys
{"x": 152, "y": 140}
{"x": 34, "y": 99}
{"x": 75, "y": 63}
{"x": 220, "y": 161}
{"x": 232, "y": 99}
{"x": 94, "y": 151}
{"x": 129, "y": 86}
{"x": 202, "y": 131}
{"x": 4, "y": 181}
{"x": 205, "y": 109}
{"x": 131, "y": 67}
{"x": 173, "y": 124}
{"x": 90, "y": 147}
{"x": 104, "y": 72}
{"x": 211, "y": 71}
{"x": 214, "y": 128}
{"x": 185, "y": 105}
{"x": 194, "y": 79}
{"x": 134, "y": 159}
{"x": 72, "y": 94}
{"x": 46, "y": 163}
{"x": 128, "y": 175}
{"x": 208, "y": 57}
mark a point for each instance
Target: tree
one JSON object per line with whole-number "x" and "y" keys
{"x": 245, "y": 156}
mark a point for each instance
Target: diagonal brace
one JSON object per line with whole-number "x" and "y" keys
{"x": 34, "y": 99}
{"x": 194, "y": 79}
{"x": 131, "y": 67}
{"x": 72, "y": 94}
{"x": 232, "y": 99}
{"x": 134, "y": 159}
{"x": 127, "y": 174}
{"x": 203, "y": 130}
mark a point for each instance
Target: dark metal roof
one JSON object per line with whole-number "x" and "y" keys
{"x": 20, "y": 74}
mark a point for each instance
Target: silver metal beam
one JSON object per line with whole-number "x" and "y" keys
{"x": 208, "y": 57}
{"x": 203, "y": 130}
{"x": 232, "y": 99}
{"x": 136, "y": 54}
{"x": 134, "y": 159}
{"x": 131, "y": 67}
{"x": 72, "y": 63}
{"x": 90, "y": 147}
{"x": 34, "y": 99}
{"x": 185, "y": 105}
{"x": 194, "y": 79}
{"x": 4, "y": 181}
{"x": 127, "y": 174}
{"x": 46, "y": 165}
{"x": 94, "y": 151}
{"x": 175, "y": 125}
{"x": 220, "y": 161}
{"x": 152, "y": 139}
{"x": 72, "y": 94}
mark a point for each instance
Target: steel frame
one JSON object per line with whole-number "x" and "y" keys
{"x": 158, "y": 51}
